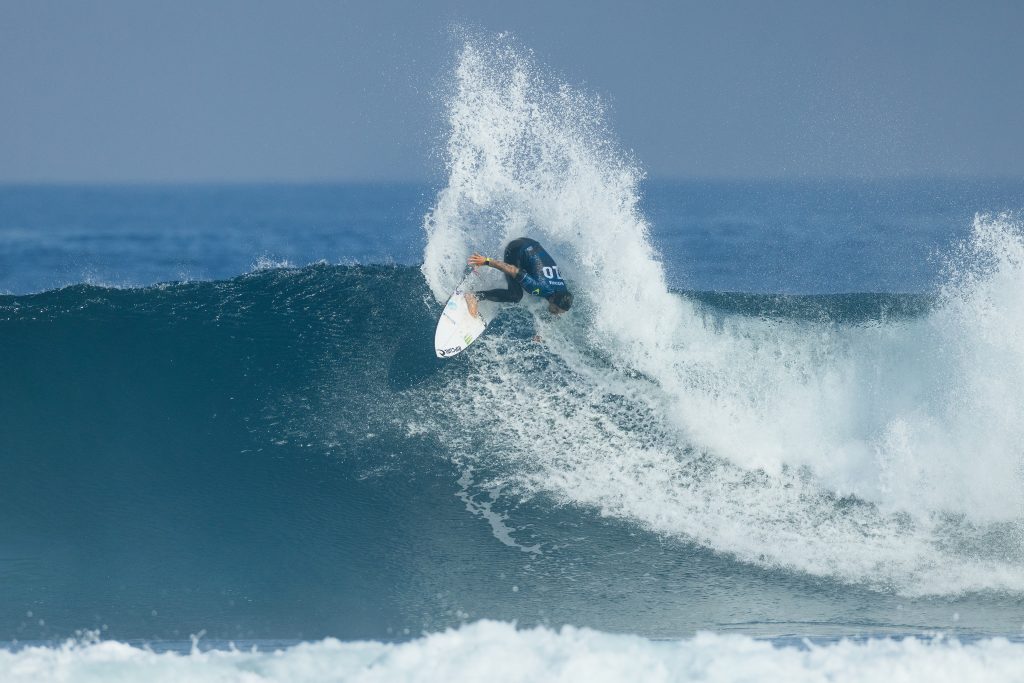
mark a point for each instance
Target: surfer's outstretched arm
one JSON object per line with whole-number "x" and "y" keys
{"x": 507, "y": 268}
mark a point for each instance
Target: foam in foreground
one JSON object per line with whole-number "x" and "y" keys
{"x": 496, "y": 651}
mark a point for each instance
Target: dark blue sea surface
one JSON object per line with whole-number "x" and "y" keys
{"x": 739, "y": 236}
{"x": 52, "y": 236}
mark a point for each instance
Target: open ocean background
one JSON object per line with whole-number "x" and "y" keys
{"x": 781, "y": 409}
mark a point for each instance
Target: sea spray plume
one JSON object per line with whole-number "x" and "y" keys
{"x": 980, "y": 327}
{"x": 528, "y": 154}
{"x": 959, "y": 448}
{"x": 841, "y": 450}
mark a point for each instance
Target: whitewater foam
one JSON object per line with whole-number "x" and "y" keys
{"x": 496, "y": 651}
{"x": 887, "y": 453}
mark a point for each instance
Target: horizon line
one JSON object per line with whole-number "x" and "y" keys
{"x": 422, "y": 181}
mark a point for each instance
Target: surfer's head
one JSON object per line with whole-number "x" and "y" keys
{"x": 560, "y": 302}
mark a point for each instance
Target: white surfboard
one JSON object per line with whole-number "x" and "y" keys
{"x": 456, "y": 328}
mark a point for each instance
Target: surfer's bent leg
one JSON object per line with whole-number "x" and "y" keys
{"x": 508, "y": 296}
{"x": 513, "y": 255}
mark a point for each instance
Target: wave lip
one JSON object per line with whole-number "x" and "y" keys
{"x": 497, "y": 651}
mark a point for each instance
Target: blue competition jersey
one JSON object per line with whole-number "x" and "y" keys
{"x": 538, "y": 272}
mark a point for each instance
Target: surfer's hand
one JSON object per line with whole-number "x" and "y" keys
{"x": 537, "y": 338}
{"x": 477, "y": 260}
{"x": 471, "y": 303}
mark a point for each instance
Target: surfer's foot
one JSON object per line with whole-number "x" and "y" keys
{"x": 471, "y": 303}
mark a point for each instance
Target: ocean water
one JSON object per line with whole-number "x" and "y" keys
{"x": 779, "y": 437}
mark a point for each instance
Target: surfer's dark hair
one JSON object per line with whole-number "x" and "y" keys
{"x": 561, "y": 299}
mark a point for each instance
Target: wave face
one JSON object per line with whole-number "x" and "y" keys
{"x": 281, "y": 456}
{"x": 501, "y": 653}
{"x": 886, "y": 453}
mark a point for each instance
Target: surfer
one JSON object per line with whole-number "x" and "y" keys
{"x": 527, "y": 266}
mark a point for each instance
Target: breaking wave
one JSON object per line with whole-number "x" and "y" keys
{"x": 885, "y": 452}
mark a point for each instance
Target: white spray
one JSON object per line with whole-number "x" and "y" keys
{"x": 877, "y": 453}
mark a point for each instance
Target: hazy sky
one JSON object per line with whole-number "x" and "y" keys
{"x": 192, "y": 90}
